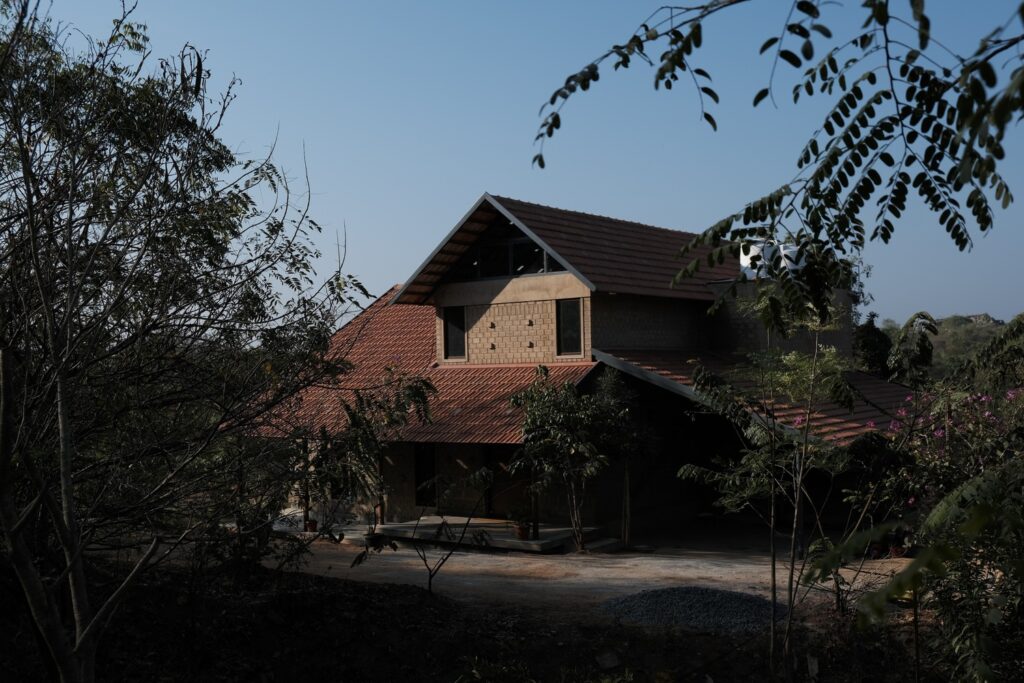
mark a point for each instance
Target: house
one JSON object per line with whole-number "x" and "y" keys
{"x": 515, "y": 285}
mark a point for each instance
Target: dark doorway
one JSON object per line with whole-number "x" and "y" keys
{"x": 425, "y": 472}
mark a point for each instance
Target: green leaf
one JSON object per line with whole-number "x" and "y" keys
{"x": 711, "y": 120}
{"x": 880, "y": 12}
{"x": 799, "y": 30}
{"x": 768, "y": 43}
{"x": 791, "y": 58}
{"x": 761, "y": 94}
{"x": 710, "y": 93}
{"x": 808, "y": 8}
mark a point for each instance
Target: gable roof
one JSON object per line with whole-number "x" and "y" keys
{"x": 606, "y": 254}
{"x": 472, "y": 403}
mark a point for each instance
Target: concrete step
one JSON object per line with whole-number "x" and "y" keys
{"x": 604, "y": 545}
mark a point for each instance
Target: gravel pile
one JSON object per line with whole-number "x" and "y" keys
{"x": 695, "y": 608}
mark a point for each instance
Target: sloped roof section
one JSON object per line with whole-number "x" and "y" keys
{"x": 606, "y": 254}
{"x": 872, "y": 411}
{"x": 620, "y": 256}
{"x": 472, "y": 403}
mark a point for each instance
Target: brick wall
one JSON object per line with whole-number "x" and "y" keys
{"x": 517, "y": 332}
{"x": 637, "y": 322}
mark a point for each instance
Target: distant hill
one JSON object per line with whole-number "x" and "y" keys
{"x": 960, "y": 337}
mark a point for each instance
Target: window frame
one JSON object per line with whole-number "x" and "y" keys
{"x": 446, "y": 336}
{"x": 578, "y": 353}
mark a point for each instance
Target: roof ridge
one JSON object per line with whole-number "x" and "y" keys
{"x": 597, "y": 215}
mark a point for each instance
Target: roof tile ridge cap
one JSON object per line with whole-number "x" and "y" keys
{"x": 674, "y": 231}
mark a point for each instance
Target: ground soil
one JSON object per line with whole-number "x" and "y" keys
{"x": 493, "y": 617}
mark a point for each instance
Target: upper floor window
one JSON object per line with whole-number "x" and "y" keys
{"x": 569, "y": 321}
{"x": 502, "y": 251}
{"x": 454, "y": 331}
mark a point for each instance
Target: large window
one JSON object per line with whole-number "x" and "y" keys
{"x": 455, "y": 332}
{"x": 502, "y": 251}
{"x": 570, "y": 324}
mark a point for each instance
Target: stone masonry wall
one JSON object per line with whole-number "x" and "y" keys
{"x": 519, "y": 332}
{"x": 639, "y": 322}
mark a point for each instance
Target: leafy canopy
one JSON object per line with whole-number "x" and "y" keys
{"x": 908, "y": 118}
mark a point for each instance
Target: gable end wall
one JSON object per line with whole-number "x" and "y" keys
{"x": 513, "y": 333}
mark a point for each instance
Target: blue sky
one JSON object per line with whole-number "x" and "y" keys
{"x": 408, "y": 111}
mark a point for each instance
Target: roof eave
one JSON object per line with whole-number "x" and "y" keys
{"x": 671, "y": 385}
{"x": 451, "y": 233}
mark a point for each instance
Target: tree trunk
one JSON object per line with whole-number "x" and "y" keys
{"x": 627, "y": 507}
{"x": 534, "y": 506}
{"x": 772, "y": 629}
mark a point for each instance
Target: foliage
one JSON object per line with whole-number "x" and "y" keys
{"x": 998, "y": 365}
{"x": 778, "y": 457}
{"x": 956, "y": 488}
{"x": 911, "y": 353}
{"x": 568, "y": 436}
{"x": 445, "y": 538}
{"x": 959, "y": 339}
{"x": 907, "y": 116}
{"x": 871, "y": 347}
{"x": 348, "y": 463}
{"x": 158, "y": 304}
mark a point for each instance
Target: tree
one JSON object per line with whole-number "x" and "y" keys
{"x": 958, "y": 338}
{"x": 152, "y": 312}
{"x": 911, "y": 353}
{"x": 567, "y": 436}
{"x": 621, "y": 434}
{"x": 907, "y": 116}
{"x": 777, "y": 459}
{"x": 871, "y": 347}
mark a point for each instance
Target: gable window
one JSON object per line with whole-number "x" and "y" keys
{"x": 527, "y": 258}
{"x": 570, "y": 323}
{"x": 454, "y": 331}
{"x": 502, "y": 251}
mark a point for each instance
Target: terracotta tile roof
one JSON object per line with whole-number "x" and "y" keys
{"x": 607, "y": 254}
{"x": 829, "y": 421}
{"x": 472, "y": 401}
{"x": 472, "y": 404}
{"x": 620, "y": 256}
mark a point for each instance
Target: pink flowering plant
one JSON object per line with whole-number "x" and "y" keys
{"x": 951, "y": 436}
{"x": 952, "y": 479}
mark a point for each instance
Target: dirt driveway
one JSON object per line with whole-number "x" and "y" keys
{"x": 552, "y": 581}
